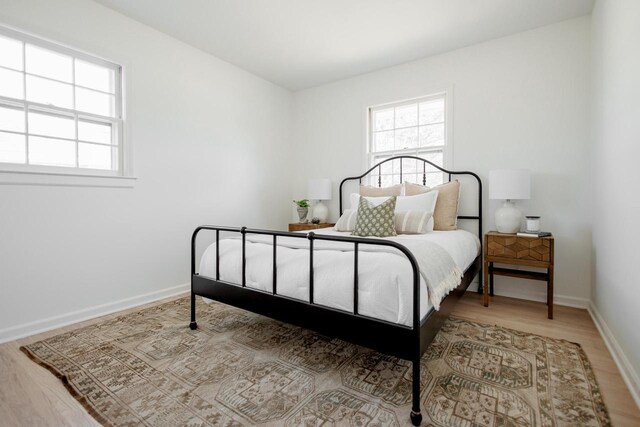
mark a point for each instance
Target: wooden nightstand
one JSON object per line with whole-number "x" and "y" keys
{"x": 521, "y": 251}
{"x": 296, "y": 226}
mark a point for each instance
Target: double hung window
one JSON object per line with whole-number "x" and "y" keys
{"x": 60, "y": 109}
{"x": 418, "y": 128}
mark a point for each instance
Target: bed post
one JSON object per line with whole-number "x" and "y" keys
{"x": 193, "y": 324}
{"x": 416, "y": 415}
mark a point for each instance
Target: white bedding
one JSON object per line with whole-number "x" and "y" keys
{"x": 385, "y": 279}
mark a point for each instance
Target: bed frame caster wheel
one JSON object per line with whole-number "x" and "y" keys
{"x": 193, "y": 325}
{"x": 416, "y": 418}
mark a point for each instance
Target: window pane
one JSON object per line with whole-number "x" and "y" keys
{"x": 52, "y": 152}
{"x": 95, "y": 76}
{"x": 407, "y": 115}
{"x": 49, "y": 92}
{"x": 10, "y": 53}
{"x": 12, "y": 148}
{"x": 94, "y": 102}
{"x": 94, "y": 132}
{"x": 47, "y": 63}
{"x": 436, "y": 157}
{"x": 383, "y": 141}
{"x": 432, "y": 135}
{"x": 409, "y": 166}
{"x": 406, "y": 138}
{"x": 11, "y": 83}
{"x": 432, "y": 112}
{"x": 51, "y": 125}
{"x": 11, "y": 118}
{"x": 412, "y": 177}
{"x": 94, "y": 156}
{"x": 383, "y": 119}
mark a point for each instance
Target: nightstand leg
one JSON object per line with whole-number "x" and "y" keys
{"x": 486, "y": 286}
{"x": 491, "y": 278}
{"x": 550, "y": 291}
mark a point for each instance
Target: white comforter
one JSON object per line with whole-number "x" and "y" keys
{"x": 385, "y": 279}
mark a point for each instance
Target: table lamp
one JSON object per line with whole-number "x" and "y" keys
{"x": 508, "y": 185}
{"x": 320, "y": 189}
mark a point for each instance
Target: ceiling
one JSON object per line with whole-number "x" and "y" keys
{"x": 299, "y": 44}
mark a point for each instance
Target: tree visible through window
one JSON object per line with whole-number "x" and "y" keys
{"x": 58, "y": 107}
{"x": 417, "y": 128}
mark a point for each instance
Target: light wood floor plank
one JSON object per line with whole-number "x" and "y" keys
{"x": 30, "y": 395}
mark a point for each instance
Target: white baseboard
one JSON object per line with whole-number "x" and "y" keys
{"x": 43, "y": 325}
{"x": 514, "y": 292}
{"x": 629, "y": 375}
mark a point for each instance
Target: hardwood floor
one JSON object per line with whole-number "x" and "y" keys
{"x": 31, "y": 396}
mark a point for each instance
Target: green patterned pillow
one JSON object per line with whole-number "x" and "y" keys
{"x": 376, "y": 221}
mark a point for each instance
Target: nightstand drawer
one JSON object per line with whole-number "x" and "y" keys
{"x": 522, "y": 248}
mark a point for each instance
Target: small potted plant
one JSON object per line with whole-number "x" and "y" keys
{"x": 303, "y": 208}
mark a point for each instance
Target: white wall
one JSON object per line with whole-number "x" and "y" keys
{"x": 519, "y": 101}
{"x": 616, "y": 119}
{"x": 211, "y": 142}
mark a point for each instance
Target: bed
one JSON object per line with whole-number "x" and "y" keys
{"x": 369, "y": 291}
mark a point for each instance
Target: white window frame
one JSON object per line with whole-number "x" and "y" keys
{"x": 13, "y": 173}
{"x": 447, "y": 150}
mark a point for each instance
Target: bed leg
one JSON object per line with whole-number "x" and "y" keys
{"x": 193, "y": 325}
{"x": 416, "y": 415}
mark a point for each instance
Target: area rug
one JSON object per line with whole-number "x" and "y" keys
{"x": 242, "y": 369}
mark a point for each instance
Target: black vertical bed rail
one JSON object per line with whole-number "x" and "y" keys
{"x": 275, "y": 266}
{"x": 416, "y": 416}
{"x": 311, "y": 236}
{"x": 355, "y": 278}
{"x": 243, "y": 231}
{"x": 217, "y": 254}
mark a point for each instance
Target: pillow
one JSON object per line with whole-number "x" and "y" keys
{"x": 413, "y": 222}
{"x": 347, "y": 221}
{"x": 421, "y": 202}
{"x": 406, "y": 222}
{"x": 371, "y": 191}
{"x": 375, "y": 220}
{"x": 445, "y": 216}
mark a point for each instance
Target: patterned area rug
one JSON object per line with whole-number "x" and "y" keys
{"x": 242, "y": 369}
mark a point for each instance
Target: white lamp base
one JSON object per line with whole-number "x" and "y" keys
{"x": 508, "y": 218}
{"x": 321, "y": 211}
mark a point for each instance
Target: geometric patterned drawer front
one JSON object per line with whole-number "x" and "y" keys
{"x": 526, "y": 248}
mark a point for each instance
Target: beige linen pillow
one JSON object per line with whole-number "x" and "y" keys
{"x": 445, "y": 216}
{"x": 371, "y": 191}
{"x": 412, "y": 222}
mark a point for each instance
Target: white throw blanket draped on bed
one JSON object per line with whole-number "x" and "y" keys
{"x": 437, "y": 267}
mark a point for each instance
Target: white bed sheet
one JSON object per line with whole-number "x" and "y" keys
{"x": 385, "y": 288}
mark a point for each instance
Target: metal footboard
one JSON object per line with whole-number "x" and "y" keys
{"x": 396, "y": 339}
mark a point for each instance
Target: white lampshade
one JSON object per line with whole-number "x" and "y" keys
{"x": 510, "y": 184}
{"x": 319, "y": 189}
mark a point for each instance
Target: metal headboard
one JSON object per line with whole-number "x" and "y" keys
{"x": 477, "y": 217}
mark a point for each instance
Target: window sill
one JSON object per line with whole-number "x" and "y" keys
{"x": 12, "y": 177}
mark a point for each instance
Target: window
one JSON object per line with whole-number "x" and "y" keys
{"x": 417, "y": 128}
{"x": 60, "y": 110}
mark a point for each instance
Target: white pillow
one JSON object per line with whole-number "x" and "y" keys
{"x": 421, "y": 202}
{"x": 347, "y": 221}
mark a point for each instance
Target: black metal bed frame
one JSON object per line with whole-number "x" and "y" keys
{"x": 405, "y": 342}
